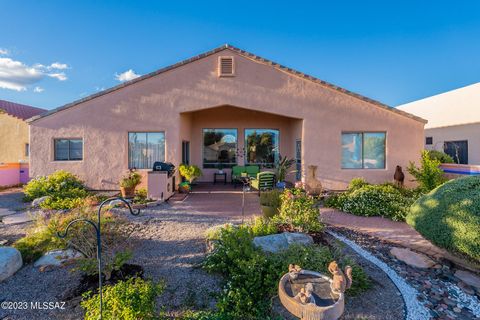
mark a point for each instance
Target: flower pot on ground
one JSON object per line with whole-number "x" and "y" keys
{"x": 270, "y": 203}
{"x": 184, "y": 187}
{"x": 283, "y": 166}
{"x": 129, "y": 182}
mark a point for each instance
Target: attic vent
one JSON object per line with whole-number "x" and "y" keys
{"x": 226, "y": 67}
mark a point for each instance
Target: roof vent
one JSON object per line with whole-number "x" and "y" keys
{"x": 226, "y": 67}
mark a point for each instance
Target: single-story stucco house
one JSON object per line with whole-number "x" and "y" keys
{"x": 453, "y": 122}
{"x": 221, "y": 108}
{"x": 14, "y": 141}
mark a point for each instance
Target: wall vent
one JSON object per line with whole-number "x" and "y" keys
{"x": 226, "y": 67}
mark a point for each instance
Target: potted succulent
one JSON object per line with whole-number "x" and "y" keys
{"x": 283, "y": 165}
{"x": 190, "y": 172}
{"x": 270, "y": 203}
{"x": 129, "y": 182}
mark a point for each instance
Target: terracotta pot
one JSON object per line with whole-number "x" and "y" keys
{"x": 128, "y": 192}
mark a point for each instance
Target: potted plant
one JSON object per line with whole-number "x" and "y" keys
{"x": 270, "y": 203}
{"x": 283, "y": 165}
{"x": 189, "y": 172}
{"x": 129, "y": 182}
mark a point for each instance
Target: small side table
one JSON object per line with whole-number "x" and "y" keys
{"x": 218, "y": 174}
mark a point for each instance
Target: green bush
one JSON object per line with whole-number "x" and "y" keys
{"x": 449, "y": 216}
{"x": 440, "y": 156}
{"x": 262, "y": 226}
{"x": 64, "y": 190}
{"x": 270, "y": 198}
{"x": 251, "y": 276}
{"x": 385, "y": 200}
{"x": 299, "y": 211}
{"x": 128, "y": 300}
{"x": 428, "y": 175}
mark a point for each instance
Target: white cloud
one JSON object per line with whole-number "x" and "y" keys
{"x": 38, "y": 89}
{"x": 4, "y": 51}
{"x": 59, "y": 66}
{"x": 18, "y": 76}
{"x": 126, "y": 76}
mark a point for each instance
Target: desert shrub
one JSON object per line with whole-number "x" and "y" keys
{"x": 141, "y": 196}
{"x": 251, "y": 276}
{"x": 190, "y": 172}
{"x": 449, "y": 216}
{"x": 262, "y": 226}
{"x": 64, "y": 190}
{"x": 128, "y": 300}
{"x": 440, "y": 156}
{"x": 299, "y": 211}
{"x": 364, "y": 199}
{"x": 428, "y": 175}
{"x": 270, "y": 198}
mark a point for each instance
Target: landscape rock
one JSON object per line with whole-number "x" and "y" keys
{"x": 468, "y": 277}
{"x": 37, "y": 202}
{"x": 56, "y": 258}
{"x": 21, "y": 217}
{"x": 411, "y": 258}
{"x": 10, "y": 262}
{"x": 5, "y": 212}
{"x": 278, "y": 242}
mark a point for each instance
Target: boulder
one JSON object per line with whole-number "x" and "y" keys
{"x": 411, "y": 258}
{"x": 56, "y": 258}
{"x": 278, "y": 242}
{"x": 468, "y": 277}
{"x": 10, "y": 262}
{"x": 37, "y": 202}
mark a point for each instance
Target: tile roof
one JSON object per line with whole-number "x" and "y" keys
{"x": 244, "y": 54}
{"x": 20, "y": 111}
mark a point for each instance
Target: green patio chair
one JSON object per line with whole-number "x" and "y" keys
{"x": 264, "y": 181}
{"x": 252, "y": 171}
{"x": 236, "y": 174}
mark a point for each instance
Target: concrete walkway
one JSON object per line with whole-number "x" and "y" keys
{"x": 398, "y": 233}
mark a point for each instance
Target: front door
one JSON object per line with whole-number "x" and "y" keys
{"x": 186, "y": 152}
{"x": 298, "y": 159}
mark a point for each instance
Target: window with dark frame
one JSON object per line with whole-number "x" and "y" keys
{"x": 68, "y": 149}
{"x": 219, "y": 148}
{"x": 145, "y": 148}
{"x": 363, "y": 150}
{"x": 429, "y": 140}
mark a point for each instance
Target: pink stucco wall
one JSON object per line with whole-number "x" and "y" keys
{"x": 171, "y": 100}
{"x": 13, "y": 173}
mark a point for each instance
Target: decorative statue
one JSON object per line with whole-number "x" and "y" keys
{"x": 305, "y": 295}
{"x": 313, "y": 186}
{"x": 293, "y": 271}
{"x": 341, "y": 281}
{"x": 399, "y": 176}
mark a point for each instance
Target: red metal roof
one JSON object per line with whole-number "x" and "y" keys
{"x": 20, "y": 111}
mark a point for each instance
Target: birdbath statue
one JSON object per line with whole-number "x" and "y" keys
{"x": 310, "y": 295}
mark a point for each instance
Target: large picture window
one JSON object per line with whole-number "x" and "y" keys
{"x": 144, "y": 148}
{"x": 261, "y": 146}
{"x": 363, "y": 150}
{"x": 68, "y": 149}
{"x": 219, "y": 148}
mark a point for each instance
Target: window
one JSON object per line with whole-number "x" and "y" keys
{"x": 27, "y": 150}
{"x": 219, "y": 148}
{"x": 226, "y": 67}
{"x": 68, "y": 149}
{"x": 429, "y": 140}
{"x": 144, "y": 148}
{"x": 261, "y": 146}
{"x": 458, "y": 150}
{"x": 363, "y": 150}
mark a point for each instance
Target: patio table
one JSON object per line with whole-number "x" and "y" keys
{"x": 216, "y": 174}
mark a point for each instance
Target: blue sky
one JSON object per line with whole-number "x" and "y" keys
{"x": 55, "y": 52}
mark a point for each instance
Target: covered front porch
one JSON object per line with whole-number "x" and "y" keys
{"x": 221, "y": 137}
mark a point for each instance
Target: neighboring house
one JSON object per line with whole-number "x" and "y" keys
{"x": 14, "y": 141}
{"x": 222, "y": 108}
{"x": 453, "y": 122}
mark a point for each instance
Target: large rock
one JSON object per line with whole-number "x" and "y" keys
{"x": 10, "y": 262}
{"x": 278, "y": 242}
{"x": 412, "y": 258}
{"x": 38, "y": 201}
{"x": 20, "y": 217}
{"x": 469, "y": 278}
{"x": 56, "y": 258}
